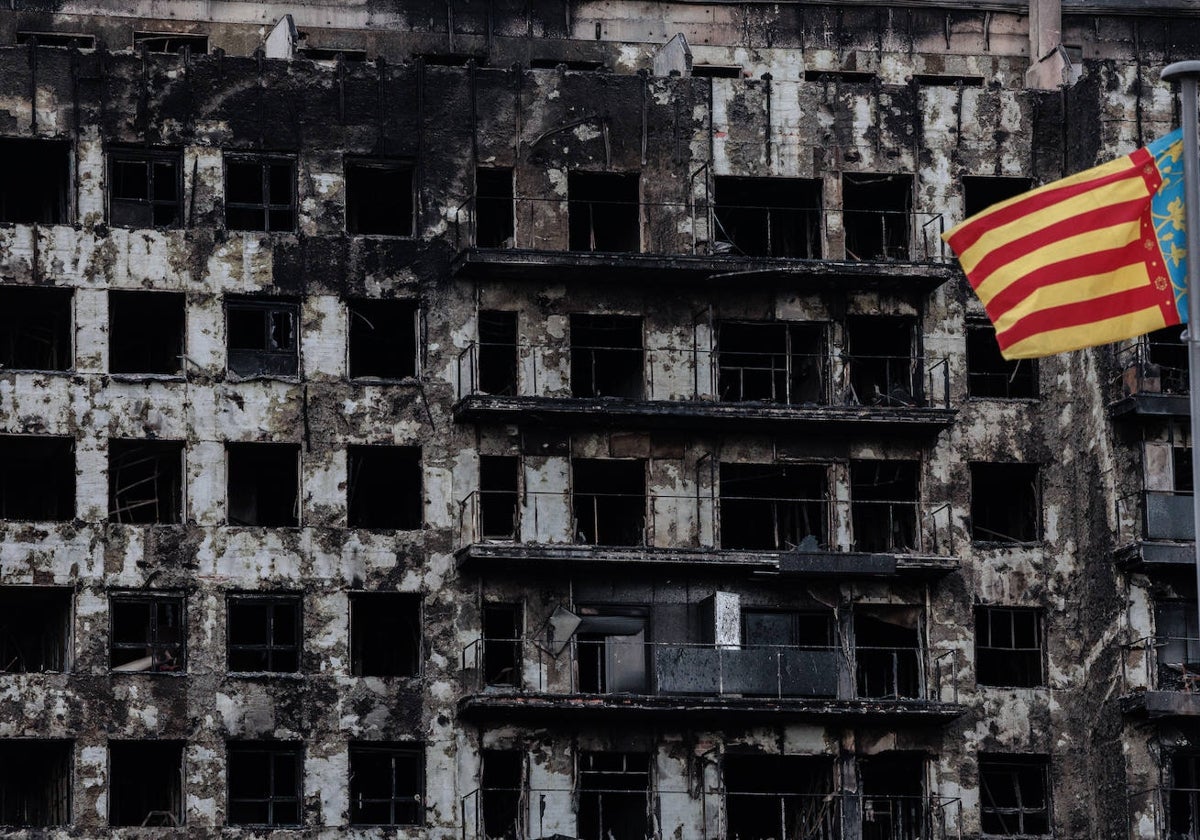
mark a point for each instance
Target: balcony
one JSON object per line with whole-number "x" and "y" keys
{"x": 1153, "y": 381}
{"x": 1160, "y": 677}
{"x": 1165, "y": 812}
{"x": 1156, "y": 531}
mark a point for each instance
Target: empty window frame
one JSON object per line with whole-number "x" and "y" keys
{"x": 502, "y": 630}
{"x": 1005, "y": 502}
{"x": 982, "y": 191}
{"x": 884, "y": 506}
{"x": 603, "y": 212}
{"x": 146, "y": 333}
{"x": 494, "y": 217}
{"x": 35, "y": 328}
{"x": 145, "y": 482}
{"x": 262, "y": 337}
{"x": 779, "y": 796}
{"x": 264, "y": 633}
{"x": 991, "y": 375}
{"x": 263, "y": 484}
{"x": 609, "y": 501}
{"x": 147, "y": 633}
{"x": 35, "y": 629}
{"x": 877, "y": 212}
{"x": 499, "y": 481}
{"x": 887, "y": 652}
{"x": 387, "y": 784}
{"x": 35, "y": 178}
{"x": 893, "y": 806}
{"x": 1165, "y": 366}
{"x": 37, "y": 478}
{"x": 501, "y": 787}
{"x": 385, "y": 634}
{"x": 57, "y": 39}
{"x": 145, "y": 783}
{"x": 497, "y": 357}
{"x": 145, "y": 187}
{"x": 1008, "y": 647}
{"x": 885, "y": 369}
{"x": 1014, "y": 795}
{"x": 1177, "y": 642}
{"x": 380, "y": 197}
{"x": 35, "y": 783}
{"x": 767, "y": 217}
{"x": 384, "y": 488}
{"x": 260, "y": 192}
{"x": 614, "y": 795}
{"x": 265, "y": 783}
{"x": 607, "y": 359}
{"x": 383, "y": 338}
{"x": 610, "y": 650}
{"x": 772, "y": 362}
{"x": 170, "y": 42}
{"x": 774, "y": 506}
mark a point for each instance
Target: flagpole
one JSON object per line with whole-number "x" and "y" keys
{"x": 1187, "y": 73}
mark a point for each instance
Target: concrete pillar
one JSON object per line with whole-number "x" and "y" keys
{"x": 1048, "y": 65}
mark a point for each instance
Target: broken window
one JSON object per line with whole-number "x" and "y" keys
{"x": 145, "y": 332}
{"x": 384, "y": 487}
{"x": 379, "y": 197}
{"x": 991, "y": 375}
{"x": 494, "y": 208}
{"x": 263, "y": 337}
{"x": 603, "y": 212}
{"x": 264, "y": 481}
{"x": 260, "y": 192}
{"x": 610, "y": 649}
{"x": 775, "y": 796}
{"x": 35, "y": 782}
{"x": 385, "y": 634}
{"x": 264, "y": 633}
{"x": 37, "y": 478}
{"x": 893, "y": 796}
{"x": 887, "y": 652}
{"x": 501, "y": 790}
{"x": 776, "y": 363}
{"x": 35, "y": 629}
{"x": 877, "y": 210}
{"x": 982, "y": 191}
{"x": 147, "y": 633}
{"x": 35, "y": 328}
{"x": 145, "y": 482}
{"x": 72, "y": 40}
{"x": 170, "y": 42}
{"x": 606, "y": 356}
{"x": 383, "y": 338}
{"x": 767, "y": 217}
{"x": 502, "y": 629}
{"x": 1005, "y": 503}
{"x": 774, "y": 506}
{"x": 884, "y": 367}
{"x": 387, "y": 784}
{"x": 1183, "y": 804}
{"x": 265, "y": 783}
{"x": 614, "y": 796}
{"x": 146, "y": 787}
{"x": 1014, "y": 798}
{"x": 1177, "y": 641}
{"x": 145, "y": 187}
{"x": 1164, "y": 368}
{"x": 609, "y": 501}
{"x": 1008, "y": 647}
{"x": 35, "y": 177}
{"x": 497, "y": 372}
{"x": 499, "y": 479}
{"x": 883, "y": 506}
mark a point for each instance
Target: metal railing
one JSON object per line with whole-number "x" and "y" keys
{"x": 1165, "y": 663}
{"x": 1154, "y": 515}
{"x": 1150, "y": 367}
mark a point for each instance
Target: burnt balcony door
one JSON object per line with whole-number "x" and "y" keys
{"x": 609, "y": 501}
{"x": 1178, "y": 645}
{"x": 1183, "y": 802}
{"x": 884, "y": 368}
{"x": 607, "y": 358}
{"x": 768, "y": 507}
{"x": 887, "y": 653}
{"x": 611, "y": 654}
{"x": 779, "y": 796}
{"x": 772, "y": 363}
{"x": 883, "y": 506}
{"x": 892, "y": 804}
{"x": 614, "y": 796}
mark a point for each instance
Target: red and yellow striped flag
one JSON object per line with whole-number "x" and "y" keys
{"x": 1093, "y": 258}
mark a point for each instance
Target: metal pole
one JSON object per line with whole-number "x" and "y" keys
{"x": 1188, "y": 72}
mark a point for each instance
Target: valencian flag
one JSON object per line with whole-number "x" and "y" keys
{"x": 1091, "y": 259}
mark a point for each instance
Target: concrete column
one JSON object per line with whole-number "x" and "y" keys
{"x": 1048, "y": 66}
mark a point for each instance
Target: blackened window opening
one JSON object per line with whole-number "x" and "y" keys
{"x": 775, "y": 363}
{"x": 576, "y": 65}
{"x": 774, "y": 506}
{"x": 263, "y": 337}
{"x": 497, "y": 357}
{"x": 603, "y": 212}
{"x": 62, "y": 40}
{"x": 887, "y": 653}
{"x": 265, "y": 783}
{"x": 502, "y": 644}
{"x": 35, "y": 783}
{"x": 982, "y": 191}
{"x": 145, "y": 188}
{"x": 170, "y": 42}
{"x": 260, "y": 193}
{"x": 607, "y": 359}
{"x": 379, "y": 198}
{"x": 1165, "y": 366}
{"x": 145, "y": 482}
{"x": 884, "y": 510}
{"x": 501, "y": 784}
{"x": 387, "y": 784}
{"x": 35, "y": 178}
{"x": 383, "y": 338}
{"x": 893, "y": 805}
{"x": 494, "y": 220}
{"x": 35, "y": 629}
{"x": 877, "y": 211}
{"x": 1181, "y": 463}
{"x": 385, "y": 634}
{"x": 1013, "y": 796}
{"x": 786, "y": 628}
{"x": 773, "y": 796}
{"x": 1005, "y": 502}
{"x": 146, "y": 332}
{"x": 1183, "y": 803}
{"x": 609, "y": 501}
{"x": 37, "y": 478}
{"x": 1008, "y": 647}
{"x": 148, "y": 634}
{"x": 610, "y": 650}
{"x": 264, "y": 633}
{"x": 264, "y": 481}
{"x": 767, "y": 217}
{"x": 991, "y": 375}
{"x": 1177, "y": 644}
{"x": 35, "y": 328}
{"x": 499, "y": 479}
{"x": 384, "y": 487}
{"x": 614, "y": 796}
{"x": 717, "y": 71}
{"x": 146, "y": 783}
{"x": 885, "y": 370}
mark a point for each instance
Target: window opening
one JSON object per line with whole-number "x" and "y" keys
{"x": 991, "y": 375}
{"x": 264, "y": 484}
{"x": 263, "y": 337}
{"x": 37, "y": 478}
{"x": 768, "y": 217}
{"x": 385, "y": 488}
{"x": 1181, "y": 462}
{"x": 786, "y": 628}
{"x": 499, "y": 478}
{"x": 35, "y": 629}
{"x": 383, "y": 338}
{"x": 1013, "y": 796}
{"x": 610, "y": 644}
{"x": 948, "y": 81}
{"x": 35, "y": 328}
{"x": 35, "y": 178}
{"x": 144, "y": 188}
{"x": 883, "y": 507}
{"x": 893, "y": 796}
{"x": 332, "y": 54}
{"x": 1177, "y": 640}
{"x": 57, "y": 39}
{"x": 145, "y": 332}
{"x": 387, "y": 784}
{"x": 379, "y": 197}
{"x": 385, "y": 634}
{"x": 774, "y": 506}
{"x": 501, "y": 794}
{"x": 502, "y": 631}
{"x": 147, "y": 633}
{"x": 497, "y": 372}
{"x": 146, "y": 787}
{"x": 1005, "y": 502}
{"x": 260, "y": 193}
{"x": 603, "y": 212}
{"x": 264, "y": 633}
{"x": 884, "y": 369}
{"x": 35, "y": 782}
{"x": 170, "y": 42}
{"x": 607, "y": 356}
{"x": 716, "y": 71}
{"x": 1165, "y": 366}
{"x": 494, "y": 221}
{"x": 614, "y": 796}
{"x": 775, "y": 363}
{"x": 887, "y": 652}
{"x": 774, "y": 796}
{"x": 145, "y": 481}
{"x": 876, "y": 215}
{"x": 265, "y": 783}
{"x": 1008, "y": 647}
{"x": 982, "y": 191}
{"x": 609, "y": 501}
{"x": 1183, "y": 803}
{"x": 850, "y": 77}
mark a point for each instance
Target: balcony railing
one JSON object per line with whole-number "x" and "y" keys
{"x": 1165, "y": 813}
{"x": 1150, "y": 367}
{"x": 1163, "y": 663}
{"x": 1154, "y": 515}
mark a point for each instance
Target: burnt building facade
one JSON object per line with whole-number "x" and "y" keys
{"x": 562, "y": 418}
